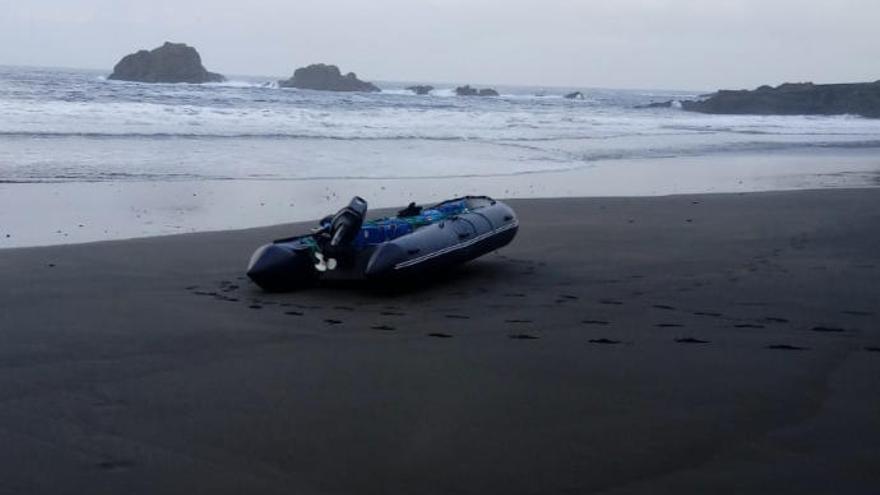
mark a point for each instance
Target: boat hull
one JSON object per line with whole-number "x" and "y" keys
{"x": 489, "y": 225}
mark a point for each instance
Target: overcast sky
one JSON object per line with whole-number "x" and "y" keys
{"x": 671, "y": 44}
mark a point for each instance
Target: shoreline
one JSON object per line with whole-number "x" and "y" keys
{"x": 77, "y": 212}
{"x": 618, "y": 345}
{"x": 305, "y": 225}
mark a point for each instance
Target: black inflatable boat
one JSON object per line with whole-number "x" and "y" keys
{"x": 418, "y": 240}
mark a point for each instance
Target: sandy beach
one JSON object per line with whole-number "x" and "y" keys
{"x": 678, "y": 344}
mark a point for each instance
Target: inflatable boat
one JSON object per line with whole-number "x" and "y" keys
{"x": 418, "y": 240}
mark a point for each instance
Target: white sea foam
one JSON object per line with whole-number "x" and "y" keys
{"x": 231, "y": 83}
{"x": 372, "y": 120}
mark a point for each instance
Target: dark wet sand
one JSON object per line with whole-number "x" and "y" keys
{"x": 691, "y": 344}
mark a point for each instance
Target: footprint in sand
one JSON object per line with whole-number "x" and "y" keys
{"x": 294, "y": 313}
{"x": 392, "y": 313}
{"x": 440, "y": 335}
{"x": 691, "y": 340}
{"x": 664, "y": 306}
{"x": 517, "y": 321}
{"x": 604, "y": 341}
{"x": 569, "y": 297}
{"x": 595, "y": 322}
{"x": 523, "y": 336}
{"x": 858, "y": 313}
{"x": 707, "y": 313}
{"x": 343, "y": 308}
{"x": 255, "y": 306}
{"x": 610, "y": 302}
{"x": 457, "y": 317}
{"x": 748, "y": 325}
{"x": 668, "y": 325}
{"x": 872, "y": 349}
{"x": 822, "y": 329}
{"x": 116, "y": 464}
{"x": 786, "y": 347}
{"x": 331, "y": 321}
{"x": 386, "y": 328}
{"x": 774, "y": 319}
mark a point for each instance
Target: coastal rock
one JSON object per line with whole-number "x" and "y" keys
{"x": 421, "y": 89}
{"x": 323, "y": 77}
{"x": 794, "y": 99}
{"x": 467, "y": 90}
{"x": 577, "y": 95}
{"x": 170, "y": 63}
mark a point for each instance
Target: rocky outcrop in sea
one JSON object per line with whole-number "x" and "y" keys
{"x": 323, "y": 77}
{"x": 467, "y": 90}
{"x": 421, "y": 89}
{"x": 790, "y": 99}
{"x": 169, "y": 63}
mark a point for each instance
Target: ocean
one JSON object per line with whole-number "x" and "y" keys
{"x": 120, "y": 156}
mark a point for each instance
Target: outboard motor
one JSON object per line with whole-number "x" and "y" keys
{"x": 339, "y": 233}
{"x": 347, "y": 222}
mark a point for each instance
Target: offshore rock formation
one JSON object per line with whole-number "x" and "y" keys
{"x": 324, "y": 77}
{"x": 577, "y": 95}
{"x": 467, "y": 90}
{"x": 791, "y": 99}
{"x": 170, "y": 63}
{"x": 421, "y": 89}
